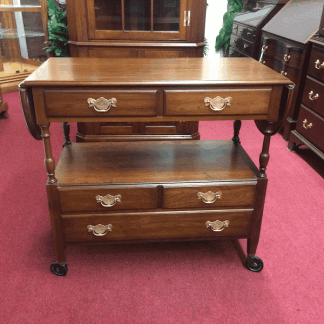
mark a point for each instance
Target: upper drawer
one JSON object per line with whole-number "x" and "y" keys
{"x": 205, "y": 102}
{"x": 82, "y": 199}
{"x": 242, "y": 44}
{"x": 87, "y": 103}
{"x": 247, "y": 33}
{"x": 283, "y": 51}
{"x": 316, "y": 63}
{"x": 209, "y": 196}
{"x": 313, "y": 95}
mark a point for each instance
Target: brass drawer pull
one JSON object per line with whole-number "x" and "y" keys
{"x": 264, "y": 48}
{"x": 108, "y": 200}
{"x": 217, "y": 103}
{"x": 286, "y": 57}
{"x": 102, "y": 104}
{"x": 306, "y": 124}
{"x": 99, "y": 230}
{"x": 209, "y": 197}
{"x": 312, "y": 96}
{"x": 217, "y": 225}
{"x": 318, "y": 65}
{"x": 245, "y": 45}
{"x": 283, "y": 73}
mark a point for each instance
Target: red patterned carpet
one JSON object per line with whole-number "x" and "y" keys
{"x": 195, "y": 282}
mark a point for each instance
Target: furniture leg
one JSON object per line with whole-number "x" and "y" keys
{"x": 58, "y": 267}
{"x": 237, "y": 127}
{"x": 66, "y": 132}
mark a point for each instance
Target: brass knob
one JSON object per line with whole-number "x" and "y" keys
{"x": 217, "y": 225}
{"x": 306, "y": 124}
{"x": 283, "y": 73}
{"x": 108, "y": 200}
{"x": 286, "y": 57}
{"x": 209, "y": 197}
{"x": 246, "y": 45}
{"x": 99, "y": 230}
{"x": 264, "y": 48}
{"x": 318, "y": 65}
{"x": 311, "y": 96}
{"x": 102, "y": 104}
{"x": 217, "y": 103}
{"x": 264, "y": 62}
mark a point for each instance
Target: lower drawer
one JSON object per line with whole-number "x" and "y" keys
{"x": 311, "y": 126}
{"x": 157, "y": 225}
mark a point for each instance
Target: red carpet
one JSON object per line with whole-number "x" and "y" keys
{"x": 196, "y": 282}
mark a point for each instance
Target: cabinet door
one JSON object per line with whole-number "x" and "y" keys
{"x": 137, "y": 19}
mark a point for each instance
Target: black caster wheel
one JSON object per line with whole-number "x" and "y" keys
{"x": 59, "y": 269}
{"x": 254, "y": 263}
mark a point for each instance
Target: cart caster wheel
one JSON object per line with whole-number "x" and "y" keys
{"x": 254, "y": 263}
{"x": 59, "y": 269}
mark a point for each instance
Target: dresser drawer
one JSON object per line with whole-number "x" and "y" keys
{"x": 283, "y": 51}
{"x": 272, "y": 63}
{"x": 82, "y": 199}
{"x": 200, "y": 102}
{"x": 313, "y": 96}
{"x": 291, "y": 73}
{"x": 242, "y": 45}
{"x": 246, "y": 33}
{"x": 79, "y": 103}
{"x": 211, "y": 195}
{"x": 170, "y": 225}
{"x": 311, "y": 126}
{"x": 316, "y": 63}
{"x": 235, "y": 53}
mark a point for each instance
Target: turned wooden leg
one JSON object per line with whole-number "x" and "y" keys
{"x": 237, "y": 127}
{"x": 264, "y": 156}
{"x": 66, "y": 132}
{"x": 59, "y": 267}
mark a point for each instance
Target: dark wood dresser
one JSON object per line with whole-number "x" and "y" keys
{"x": 143, "y": 191}
{"x": 310, "y": 122}
{"x": 285, "y": 48}
{"x": 136, "y": 29}
{"x": 246, "y": 32}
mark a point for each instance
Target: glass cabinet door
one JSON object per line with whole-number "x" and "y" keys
{"x": 21, "y": 37}
{"x": 137, "y": 19}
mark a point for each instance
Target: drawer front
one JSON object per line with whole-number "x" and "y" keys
{"x": 283, "y": 51}
{"x": 209, "y": 196}
{"x": 74, "y": 103}
{"x": 235, "y": 53}
{"x": 291, "y": 73}
{"x": 246, "y": 33}
{"x": 198, "y": 103}
{"x": 316, "y": 63}
{"x": 245, "y": 46}
{"x": 311, "y": 126}
{"x": 272, "y": 63}
{"x": 170, "y": 225}
{"x": 123, "y": 198}
{"x": 313, "y": 96}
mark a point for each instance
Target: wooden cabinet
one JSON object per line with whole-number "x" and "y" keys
{"x": 310, "y": 123}
{"x": 285, "y": 48}
{"x": 141, "y": 191}
{"x": 246, "y": 32}
{"x": 136, "y": 29}
{"x": 21, "y": 41}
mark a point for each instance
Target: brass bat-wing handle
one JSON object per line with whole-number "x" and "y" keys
{"x": 108, "y": 200}
{"x": 99, "y": 230}
{"x": 102, "y": 104}
{"x": 217, "y": 103}
{"x": 217, "y": 225}
{"x": 209, "y": 197}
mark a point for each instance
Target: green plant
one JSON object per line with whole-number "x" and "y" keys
{"x": 58, "y": 35}
{"x": 223, "y": 38}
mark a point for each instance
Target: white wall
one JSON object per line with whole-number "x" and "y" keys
{"x": 214, "y": 22}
